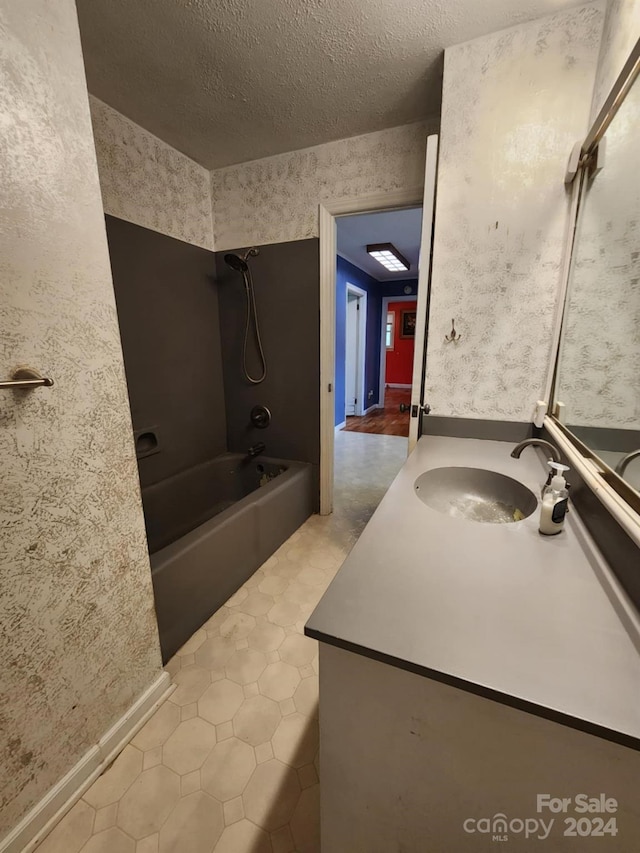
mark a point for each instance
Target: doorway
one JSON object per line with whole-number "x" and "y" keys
{"x": 355, "y": 343}
{"x": 330, "y": 395}
{"x": 376, "y": 399}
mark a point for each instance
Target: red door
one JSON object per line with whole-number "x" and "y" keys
{"x": 399, "y": 359}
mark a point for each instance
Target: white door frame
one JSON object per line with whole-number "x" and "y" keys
{"x": 362, "y": 343}
{"x": 418, "y": 382}
{"x": 383, "y": 342}
{"x": 327, "y": 212}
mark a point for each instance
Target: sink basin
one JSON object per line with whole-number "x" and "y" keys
{"x": 475, "y": 494}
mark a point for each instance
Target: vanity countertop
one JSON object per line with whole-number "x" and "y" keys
{"x": 496, "y": 609}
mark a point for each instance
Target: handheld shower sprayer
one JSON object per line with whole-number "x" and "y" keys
{"x": 240, "y": 264}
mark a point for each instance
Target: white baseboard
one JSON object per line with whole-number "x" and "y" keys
{"x": 371, "y": 408}
{"x": 397, "y": 385}
{"x": 340, "y": 426}
{"x": 42, "y": 818}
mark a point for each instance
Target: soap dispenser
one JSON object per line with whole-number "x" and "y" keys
{"x": 555, "y": 498}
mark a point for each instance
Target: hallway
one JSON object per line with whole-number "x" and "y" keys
{"x": 229, "y": 763}
{"x": 386, "y": 421}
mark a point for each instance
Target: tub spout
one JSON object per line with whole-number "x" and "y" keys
{"x": 256, "y": 449}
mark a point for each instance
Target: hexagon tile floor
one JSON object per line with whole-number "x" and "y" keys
{"x": 229, "y": 763}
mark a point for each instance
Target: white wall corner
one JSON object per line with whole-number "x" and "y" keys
{"x": 44, "y": 816}
{"x": 373, "y": 408}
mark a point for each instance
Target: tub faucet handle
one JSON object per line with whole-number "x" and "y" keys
{"x": 260, "y": 417}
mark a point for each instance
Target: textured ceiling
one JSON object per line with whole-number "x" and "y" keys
{"x": 226, "y": 81}
{"x": 400, "y": 227}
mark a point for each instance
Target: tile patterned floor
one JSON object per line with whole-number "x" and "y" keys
{"x": 229, "y": 763}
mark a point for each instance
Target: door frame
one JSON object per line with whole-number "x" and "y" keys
{"x": 383, "y": 343}
{"x": 361, "y": 349}
{"x": 328, "y": 210}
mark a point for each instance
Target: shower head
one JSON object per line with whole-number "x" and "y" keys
{"x": 236, "y": 263}
{"x": 239, "y": 264}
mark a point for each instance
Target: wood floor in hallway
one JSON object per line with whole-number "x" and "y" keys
{"x": 386, "y": 421}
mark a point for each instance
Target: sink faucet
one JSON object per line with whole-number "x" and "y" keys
{"x": 538, "y": 442}
{"x": 621, "y": 467}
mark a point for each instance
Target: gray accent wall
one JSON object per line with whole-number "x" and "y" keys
{"x": 287, "y": 286}
{"x": 169, "y": 324}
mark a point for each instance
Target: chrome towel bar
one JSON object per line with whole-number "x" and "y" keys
{"x": 26, "y": 377}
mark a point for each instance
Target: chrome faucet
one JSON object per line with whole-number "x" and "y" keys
{"x": 621, "y": 467}
{"x": 538, "y": 442}
{"x": 256, "y": 449}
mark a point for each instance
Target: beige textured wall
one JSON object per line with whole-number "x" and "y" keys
{"x": 276, "y": 199}
{"x": 146, "y": 181}
{"x": 77, "y": 622}
{"x": 620, "y": 33}
{"x": 514, "y": 103}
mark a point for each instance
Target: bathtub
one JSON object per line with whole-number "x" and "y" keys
{"x": 209, "y": 528}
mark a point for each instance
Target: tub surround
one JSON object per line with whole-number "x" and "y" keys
{"x": 286, "y": 282}
{"x": 169, "y": 318}
{"x": 495, "y": 610}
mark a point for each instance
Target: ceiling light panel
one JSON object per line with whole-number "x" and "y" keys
{"x": 390, "y": 258}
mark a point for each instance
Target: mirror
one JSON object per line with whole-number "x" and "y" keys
{"x": 598, "y": 370}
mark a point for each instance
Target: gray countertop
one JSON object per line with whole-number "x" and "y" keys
{"x": 497, "y": 609}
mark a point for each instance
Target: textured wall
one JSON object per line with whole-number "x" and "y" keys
{"x": 599, "y": 379}
{"x": 146, "y": 181}
{"x": 276, "y": 199}
{"x": 620, "y": 33}
{"x": 514, "y": 103}
{"x": 78, "y": 629}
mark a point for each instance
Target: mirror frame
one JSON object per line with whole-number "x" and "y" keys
{"x": 622, "y": 501}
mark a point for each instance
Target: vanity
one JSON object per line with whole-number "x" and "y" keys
{"x": 480, "y": 682}
{"x": 467, "y": 667}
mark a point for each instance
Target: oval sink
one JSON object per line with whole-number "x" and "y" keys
{"x": 475, "y": 494}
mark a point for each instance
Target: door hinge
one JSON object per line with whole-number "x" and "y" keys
{"x": 329, "y": 388}
{"x": 357, "y": 306}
